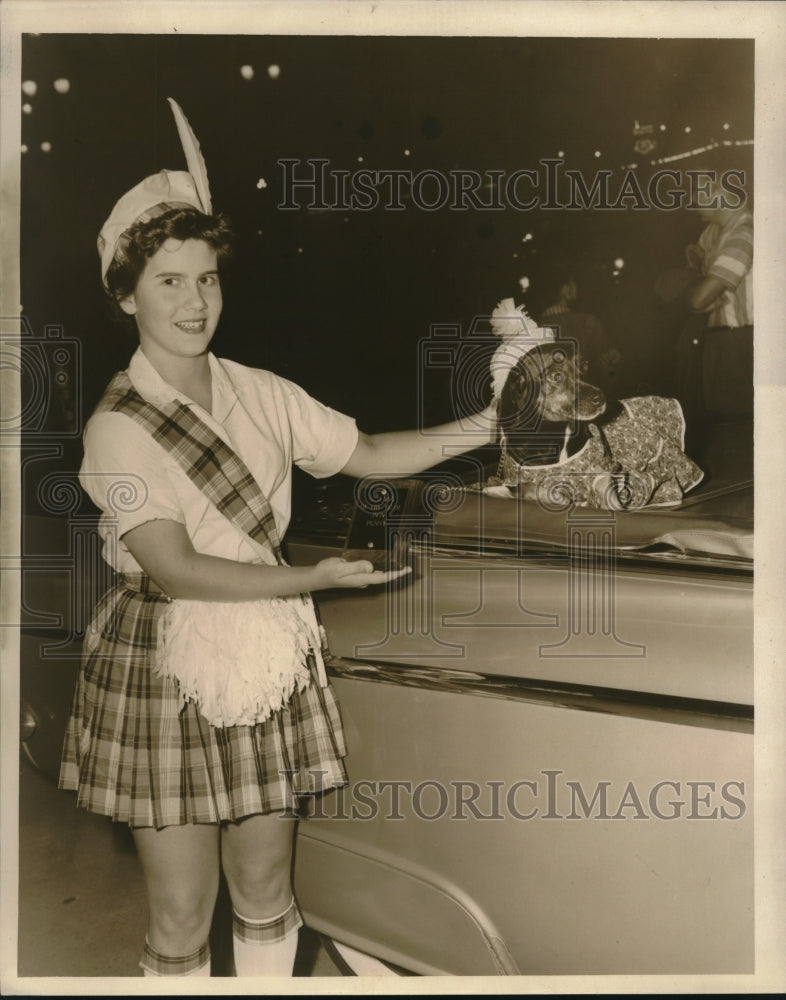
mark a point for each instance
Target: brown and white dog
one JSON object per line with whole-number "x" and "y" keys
{"x": 545, "y": 405}
{"x": 560, "y": 437}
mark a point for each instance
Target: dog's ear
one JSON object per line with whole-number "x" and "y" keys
{"x": 520, "y": 400}
{"x": 527, "y": 437}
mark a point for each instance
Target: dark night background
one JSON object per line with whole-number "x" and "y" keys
{"x": 339, "y": 300}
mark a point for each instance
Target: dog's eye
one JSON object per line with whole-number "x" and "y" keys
{"x": 556, "y": 377}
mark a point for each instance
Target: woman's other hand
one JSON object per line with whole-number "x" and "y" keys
{"x": 358, "y": 573}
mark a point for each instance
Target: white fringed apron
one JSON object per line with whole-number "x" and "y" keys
{"x": 239, "y": 662}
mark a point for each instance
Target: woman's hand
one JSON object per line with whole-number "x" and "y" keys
{"x": 164, "y": 551}
{"x": 359, "y": 573}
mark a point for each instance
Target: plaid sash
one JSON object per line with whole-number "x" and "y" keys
{"x": 207, "y": 460}
{"x": 226, "y": 481}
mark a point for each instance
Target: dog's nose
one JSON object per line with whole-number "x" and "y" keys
{"x": 591, "y": 400}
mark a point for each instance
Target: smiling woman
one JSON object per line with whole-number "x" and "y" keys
{"x": 177, "y": 304}
{"x": 203, "y": 709}
{"x": 166, "y": 276}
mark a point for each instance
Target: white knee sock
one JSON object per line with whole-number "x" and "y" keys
{"x": 266, "y": 947}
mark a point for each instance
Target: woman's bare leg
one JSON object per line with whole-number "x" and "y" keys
{"x": 256, "y": 855}
{"x": 257, "y": 860}
{"x": 181, "y": 867}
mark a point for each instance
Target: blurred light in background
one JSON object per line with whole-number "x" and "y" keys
{"x": 274, "y": 71}
{"x": 247, "y": 72}
{"x": 619, "y": 262}
{"x": 62, "y": 85}
{"x": 524, "y": 283}
{"x": 27, "y": 108}
{"x": 29, "y": 87}
{"x": 46, "y": 147}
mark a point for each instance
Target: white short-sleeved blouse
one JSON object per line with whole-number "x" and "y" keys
{"x": 269, "y": 422}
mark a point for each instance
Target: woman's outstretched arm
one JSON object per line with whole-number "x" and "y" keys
{"x": 402, "y": 453}
{"x": 164, "y": 551}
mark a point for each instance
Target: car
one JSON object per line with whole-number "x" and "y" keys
{"x": 549, "y": 722}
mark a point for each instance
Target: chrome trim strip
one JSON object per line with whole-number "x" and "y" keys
{"x": 555, "y": 554}
{"x": 557, "y": 694}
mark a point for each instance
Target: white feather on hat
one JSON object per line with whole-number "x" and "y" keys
{"x": 158, "y": 193}
{"x": 195, "y": 161}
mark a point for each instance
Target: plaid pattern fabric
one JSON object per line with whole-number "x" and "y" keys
{"x": 267, "y": 931}
{"x": 163, "y": 965}
{"x": 208, "y": 461}
{"x": 132, "y": 751}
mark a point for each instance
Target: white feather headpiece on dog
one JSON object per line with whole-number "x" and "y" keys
{"x": 519, "y": 335}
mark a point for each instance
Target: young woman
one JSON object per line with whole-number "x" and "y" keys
{"x": 189, "y": 458}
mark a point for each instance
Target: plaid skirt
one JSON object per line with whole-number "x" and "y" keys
{"x": 133, "y": 751}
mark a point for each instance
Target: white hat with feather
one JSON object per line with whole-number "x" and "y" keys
{"x": 158, "y": 194}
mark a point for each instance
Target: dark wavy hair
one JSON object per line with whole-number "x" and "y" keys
{"x": 143, "y": 239}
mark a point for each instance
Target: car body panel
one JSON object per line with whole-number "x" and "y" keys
{"x": 513, "y": 617}
{"x": 523, "y": 658}
{"x": 582, "y": 895}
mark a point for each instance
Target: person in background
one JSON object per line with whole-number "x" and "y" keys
{"x": 714, "y": 371}
{"x": 554, "y": 294}
{"x": 723, "y": 291}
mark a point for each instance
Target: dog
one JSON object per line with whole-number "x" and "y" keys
{"x": 563, "y": 442}
{"x": 545, "y": 405}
